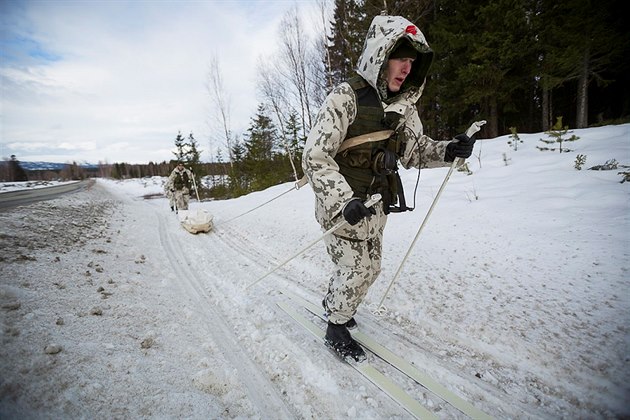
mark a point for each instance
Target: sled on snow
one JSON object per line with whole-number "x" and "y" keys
{"x": 195, "y": 221}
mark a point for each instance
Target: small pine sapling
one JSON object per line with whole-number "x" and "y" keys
{"x": 556, "y": 133}
{"x": 515, "y": 139}
{"x": 580, "y": 160}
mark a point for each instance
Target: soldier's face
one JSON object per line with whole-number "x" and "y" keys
{"x": 397, "y": 71}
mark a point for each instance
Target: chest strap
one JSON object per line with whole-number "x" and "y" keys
{"x": 365, "y": 138}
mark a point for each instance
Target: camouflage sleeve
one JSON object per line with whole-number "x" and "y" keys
{"x": 421, "y": 151}
{"x": 329, "y": 130}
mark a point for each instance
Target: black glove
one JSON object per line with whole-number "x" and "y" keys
{"x": 461, "y": 147}
{"x": 355, "y": 210}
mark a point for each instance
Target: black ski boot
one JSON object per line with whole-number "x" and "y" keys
{"x": 351, "y": 324}
{"x": 339, "y": 340}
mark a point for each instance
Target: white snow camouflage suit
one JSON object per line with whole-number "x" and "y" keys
{"x": 179, "y": 184}
{"x": 356, "y": 250}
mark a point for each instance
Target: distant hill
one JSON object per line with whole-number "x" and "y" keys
{"x": 51, "y": 166}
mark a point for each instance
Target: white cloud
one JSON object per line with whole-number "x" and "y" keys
{"x": 116, "y": 81}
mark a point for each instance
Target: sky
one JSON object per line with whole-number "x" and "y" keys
{"x": 515, "y": 297}
{"x": 115, "y": 81}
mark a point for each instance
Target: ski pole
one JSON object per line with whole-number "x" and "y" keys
{"x": 195, "y": 185}
{"x": 375, "y": 198}
{"x": 299, "y": 184}
{"x": 474, "y": 128}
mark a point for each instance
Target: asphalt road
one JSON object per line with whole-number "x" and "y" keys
{"x": 19, "y": 198}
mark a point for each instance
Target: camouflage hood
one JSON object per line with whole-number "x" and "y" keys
{"x": 384, "y": 36}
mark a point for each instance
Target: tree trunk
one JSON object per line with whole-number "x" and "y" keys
{"x": 546, "y": 117}
{"x": 582, "y": 94}
{"x": 493, "y": 126}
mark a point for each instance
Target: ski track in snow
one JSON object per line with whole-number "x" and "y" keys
{"x": 259, "y": 390}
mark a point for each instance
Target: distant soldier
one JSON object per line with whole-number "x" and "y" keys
{"x": 179, "y": 183}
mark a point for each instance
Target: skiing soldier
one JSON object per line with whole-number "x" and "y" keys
{"x": 180, "y": 182}
{"x": 366, "y": 126}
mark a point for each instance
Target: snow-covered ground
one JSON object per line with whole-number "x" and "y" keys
{"x": 515, "y": 297}
{"x": 22, "y": 185}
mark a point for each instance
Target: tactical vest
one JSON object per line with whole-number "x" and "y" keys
{"x": 181, "y": 180}
{"x": 359, "y": 164}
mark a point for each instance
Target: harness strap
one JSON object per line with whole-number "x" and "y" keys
{"x": 365, "y": 138}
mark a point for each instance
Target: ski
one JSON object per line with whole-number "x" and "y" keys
{"x": 399, "y": 363}
{"x": 368, "y": 371}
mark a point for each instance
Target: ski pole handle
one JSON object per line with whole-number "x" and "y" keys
{"x": 374, "y": 198}
{"x": 472, "y": 130}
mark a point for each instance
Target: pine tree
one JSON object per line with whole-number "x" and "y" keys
{"x": 557, "y": 133}
{"x": 261, "y": 138}
{"x": 180, "y": 147}
{"x": 237, "y": 176}
{"x": 348, "y": 30}
{"x": 580, "y": 44}
{"x": 259, "y": 151}
{"x": 484, "y": 55}
{"x": 293, "y": 132}
{"x": 193, "y": 159}
{"x": 450, "y": 36}
{"x": 16, "y": 172}
{"x": 193, "y": 154}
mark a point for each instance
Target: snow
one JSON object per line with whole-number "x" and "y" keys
{"x": 515, "y": 297}
{"x": 23, "y": 185}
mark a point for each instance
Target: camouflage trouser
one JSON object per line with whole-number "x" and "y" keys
{"x": 358, "y": 264}
{"x": 171, "y": 198}
{"x": 182, "y": 197}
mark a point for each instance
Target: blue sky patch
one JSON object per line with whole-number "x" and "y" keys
{"x": 19, "y": 49}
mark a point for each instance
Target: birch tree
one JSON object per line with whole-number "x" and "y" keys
{"x": 275, "y": 95}
{"x": 220, "y": 110}
{"x": 293, "y": 62}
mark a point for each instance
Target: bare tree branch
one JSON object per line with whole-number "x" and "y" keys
{"x": 220, "y": 114}
{"x": 274, "y": 94}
